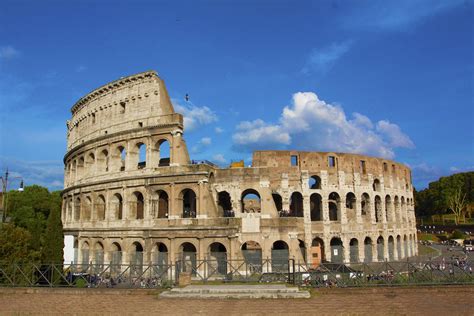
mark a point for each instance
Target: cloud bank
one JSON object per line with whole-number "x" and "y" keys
{"x": 195, "y": 116}
{"x": 312, "y": 124}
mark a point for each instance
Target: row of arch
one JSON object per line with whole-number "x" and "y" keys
{"x": 89, "y": 207}
{"x": 117, "y": 159}
{"x": 334, "y": 205}
{"x": 391, "y": 248}
{"x": 82, "y": 207}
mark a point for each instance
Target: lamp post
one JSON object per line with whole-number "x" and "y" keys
{"x": 5, "y": 193}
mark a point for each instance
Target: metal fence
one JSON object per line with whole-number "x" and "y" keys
{"x": 219, "y": 269}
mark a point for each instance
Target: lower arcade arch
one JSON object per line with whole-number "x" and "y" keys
{"x": 217, "y": 259}
{"x": 368, "y": 249}
{"x": 380, "y": 249}
{"x": 317, "y": 252}
{"x": 252, "y": 254}
{"x": 280, "y": 256}
{"x": 188, "y": 257}
{"x": 337, "y": 250}
{"x": 354, "y": 250}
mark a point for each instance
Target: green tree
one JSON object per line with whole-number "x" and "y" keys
{"x": 53, "y": 237}
{"x": 16, "y": 245}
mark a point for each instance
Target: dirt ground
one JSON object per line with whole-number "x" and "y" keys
{"x": 441, "y": 300}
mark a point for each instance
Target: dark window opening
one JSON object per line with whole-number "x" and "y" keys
{"x": 294, "y": 160}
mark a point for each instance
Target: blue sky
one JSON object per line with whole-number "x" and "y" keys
{"x": 385, "y": 78}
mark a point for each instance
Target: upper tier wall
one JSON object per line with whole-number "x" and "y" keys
{"x": 293, "y": 161}
{"x": 129, "y": 103}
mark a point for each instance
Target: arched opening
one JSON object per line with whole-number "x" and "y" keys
{"x": 376, "y": 185}
{"x": 86, "y": 209}
{"x": 351, "y": 206}
{"x": 314, "y": 183}
{"x": 80, "y": 168}
{"x": 116, "y": 258}
{"x": 137, "y": 205}
{"x": 189, "y": 203}
{"x": 405, "y": 246}
{"x": 388, "y": 209}
{"x": 188, "y": 257}
{"x": 396, "y": 213}
{"x": 160, "y": 257}
{"x": 90, "y": 162}
{"x": 380, "y": 249}
{"x": 354, "y": 250}
{"x": 163, "y": 149}
{"x": 337, "y": 250}
{"x": 317, "y": 252}
{"x": 250, "y": 200}
{"x": 224, "y": 204}
{"x": 103, "y": 161}
{"x": 278, "y": 201}
{"x": 252, "y": 253}
{"x": 410, "y": 245}
{"x": 403, "y": 210}
{"x": 365, "y": 204}
{"x": 100, "y": 207}
{"x": 122, "y": 154}
{"x": 296, "y": 205}
{"x": 378, "y": 209}
{"x": 280, "y": 255}
{"x": 99, "y": 255}
{"x": 141, "y": 155}
{"x": 316, "y": 207}
{"x": 117, "y": 203}
{"x": 399, "y": 247}
{"x": 368, "y": 256}
{"x": 85, "y": 255}
{"x": 77, "y": 209}
{"x": 163, "y": 204}
{"x": 391, "y": 249}
{"x": 334, "y": 203}
{"x": 218, "y": 259}
{"x": 136, "y": 258}
{"x": 302, "y": 247}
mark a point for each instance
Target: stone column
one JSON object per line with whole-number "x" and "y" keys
{"x": 172, "y": 203}
{"x": 324, "y": 201}
{"x": 361, "y": 249}
{"x": 343, "y": 211}
{"x": 346, "y": 249}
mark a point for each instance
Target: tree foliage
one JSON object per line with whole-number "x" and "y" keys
{"x": 16, "y": 245}
{"x": 37, "y": 212}
{"x": 436, "y": 198}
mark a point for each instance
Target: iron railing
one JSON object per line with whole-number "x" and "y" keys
{"x": 219, "y": 269}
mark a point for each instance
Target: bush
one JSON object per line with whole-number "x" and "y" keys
{"x": 457, "y": 234}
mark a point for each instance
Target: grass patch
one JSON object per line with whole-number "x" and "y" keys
{"x": 426, "y": 251}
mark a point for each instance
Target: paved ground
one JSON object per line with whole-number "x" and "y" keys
{"x": 369, "y": 301}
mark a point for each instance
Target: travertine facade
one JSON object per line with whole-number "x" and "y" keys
{"x": 124, "y": 201}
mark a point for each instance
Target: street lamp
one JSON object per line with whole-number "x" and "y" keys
{"x": 5, "y": 193}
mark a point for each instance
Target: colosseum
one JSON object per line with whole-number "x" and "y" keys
{"x": 133, "y": 195}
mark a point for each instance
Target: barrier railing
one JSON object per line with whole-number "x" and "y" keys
{"x": 388, "y": 273}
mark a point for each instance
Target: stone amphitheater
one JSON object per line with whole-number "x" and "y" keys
{"x": 133, "y": 195}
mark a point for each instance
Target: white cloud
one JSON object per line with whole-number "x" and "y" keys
{"x": 219, "y": 158}
{"x": 312, "y": 124}
{"x": 218, "y": 130}
{"x": 202, "y": 143}
{"x": 8, "y": 52}
{"x": 46, "y": 173}
{"x": 195, "y": 116}
{"x": 81, "y": 68}
{"x": 206, "y": 141}
{"x": 397, "y": 15}
{"x": 260, "y": 134}
{"x": 394, "y": 135}
{"x": 323, "y": 59}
